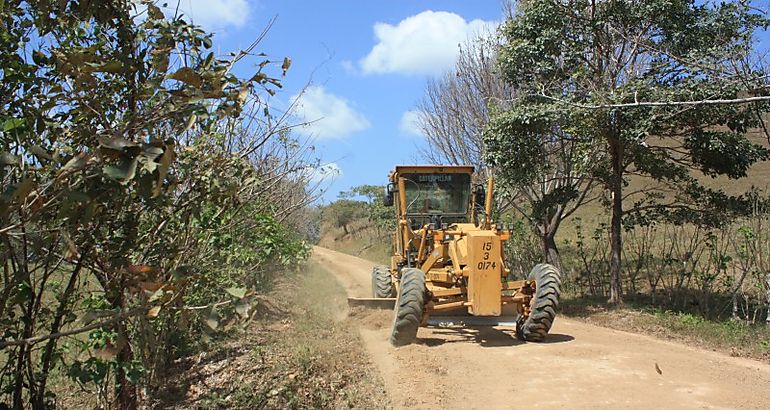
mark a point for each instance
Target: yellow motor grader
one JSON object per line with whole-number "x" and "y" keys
{"x": 448, "y": 256}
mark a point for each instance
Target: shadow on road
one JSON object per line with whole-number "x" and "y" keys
{"x": 485, "y": 336}
{"x": 557, "y": 338}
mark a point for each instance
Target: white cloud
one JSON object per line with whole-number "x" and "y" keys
{"x": 409, "y": 124}
{"x": 348, "y": 66}
{"x": 326, "y": 172}
{"x": 426, "y": 43}
{"x": 327, "y": 116}
{"x": 212, "y": 14}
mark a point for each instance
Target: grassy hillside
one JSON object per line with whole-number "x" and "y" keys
{"x": 361, "y": 241}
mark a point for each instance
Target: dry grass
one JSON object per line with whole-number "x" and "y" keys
{"x": 734, "y": 338}
{"x": 309, "y": 356}
{"x": 362, "y": 241}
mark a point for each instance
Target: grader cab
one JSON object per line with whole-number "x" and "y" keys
{"x": 448, "y": 256}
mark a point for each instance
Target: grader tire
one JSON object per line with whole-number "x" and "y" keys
{"x": 409, "y": 307}
{"x": 382, "y": 283}
{"x": 543, "y": 305}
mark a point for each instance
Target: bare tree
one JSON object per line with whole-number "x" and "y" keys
{"x": 455, "y": 108}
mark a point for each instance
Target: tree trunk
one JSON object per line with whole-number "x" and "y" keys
{"x": 38, "y": 402}
{"x": 551, "y": 252}
{"x": 767, "y": 296}
{"x": 616, "y": 241}
{"x": 125, "y": 390}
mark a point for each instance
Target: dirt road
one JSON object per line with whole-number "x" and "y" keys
{"x": 578, "y": 367}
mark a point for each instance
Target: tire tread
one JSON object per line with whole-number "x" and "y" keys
{"x": 409, "y": 307}
{"x": 543, "y": 306}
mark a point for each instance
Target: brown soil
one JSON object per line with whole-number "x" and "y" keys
{"x": 579, "y": 366}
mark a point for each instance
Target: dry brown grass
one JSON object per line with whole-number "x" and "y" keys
{"x": 308, "y": 357}
{"x": 362, "y": 241}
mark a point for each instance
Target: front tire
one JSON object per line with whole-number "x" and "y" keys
{"x": 409, "y": 307}
{"x": 382, "y": 283}
{"x": 543, "y": 305}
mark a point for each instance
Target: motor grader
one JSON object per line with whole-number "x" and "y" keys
{"x": 448, "y": 256}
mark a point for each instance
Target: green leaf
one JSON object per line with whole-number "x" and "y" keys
{"x": 110, "y": 67}
{"x": 13, "y": 123}
{"x": 122, "y": 173}
{"x": 190, "y": 122}
{"x": 236, "y": 292}
{"x": 116, "y": 143}
{"x": 242, "y": 307}
{"x": 157, "y": 295}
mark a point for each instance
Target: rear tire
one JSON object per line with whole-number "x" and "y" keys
{"x": 382, "y": 283}
{"x": 409, "y": 307}
{"x": 543, "y": 305}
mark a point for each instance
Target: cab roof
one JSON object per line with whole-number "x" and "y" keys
{"x": 434, "y": 169}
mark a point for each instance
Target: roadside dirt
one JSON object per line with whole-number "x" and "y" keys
{"x": 578, "y": 367}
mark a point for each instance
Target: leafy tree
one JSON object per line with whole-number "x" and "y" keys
{"x": 376, "y": 212}
{"x": 342, "y": 212}
{"x": 655, "y": 88}
{"x": 131, "y": 203}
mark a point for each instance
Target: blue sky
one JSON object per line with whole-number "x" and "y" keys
{"x": 367, "y": 63}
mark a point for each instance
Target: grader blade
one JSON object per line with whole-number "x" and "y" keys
{"x": 373, "y": 303}
{"x": 445, "y": 321}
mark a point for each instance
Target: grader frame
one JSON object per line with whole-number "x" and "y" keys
{"x": 448, "y": 257}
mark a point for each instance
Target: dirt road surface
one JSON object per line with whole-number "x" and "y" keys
{"x": 579, "y": 366}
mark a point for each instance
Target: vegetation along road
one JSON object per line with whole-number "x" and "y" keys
{"x": 579, "y": 365}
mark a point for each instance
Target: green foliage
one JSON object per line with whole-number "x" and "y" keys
{"x": 342, "y": 212}
{"x": 553, "y": 56}
{"x": 632, "y": 84}
{"x": 375, "y": 211}
{"x": 130, "y": 200}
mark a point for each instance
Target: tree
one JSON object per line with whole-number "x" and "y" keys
{"x": 656, "y": 88}
{"x": 452, "y": 116}
{"x": 131, "y": 202}
{"x": 342, "y": 212}
{"x": 455, "y": 108}
{"x": 545, "y": 166}
{"x": 376, "y": 212}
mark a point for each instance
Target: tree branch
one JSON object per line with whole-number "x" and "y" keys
{"x": 37, "y": 339}
{"x": 659, "y": 103}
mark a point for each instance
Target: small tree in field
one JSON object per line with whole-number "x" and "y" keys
{"x": 342, "y": 212}
{"x": 655, "y": 88}
{"x": 376, "y": 212}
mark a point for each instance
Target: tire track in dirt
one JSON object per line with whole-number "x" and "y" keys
{"x": 579, "y": 366}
